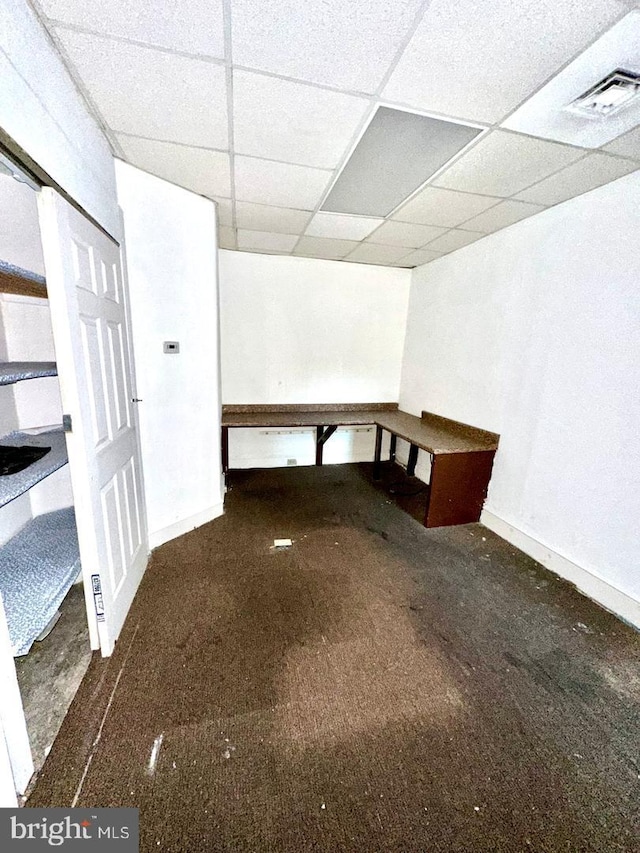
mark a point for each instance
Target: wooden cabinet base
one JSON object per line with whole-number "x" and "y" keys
{"x": 459, "y": 483}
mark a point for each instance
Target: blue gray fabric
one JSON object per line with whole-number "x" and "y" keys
{"x": 13, "y": 485}
{"x": 37, "y": 569}
{"x": 14, "y": 371}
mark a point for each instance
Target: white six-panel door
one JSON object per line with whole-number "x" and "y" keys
{"x": 88, "y": 297}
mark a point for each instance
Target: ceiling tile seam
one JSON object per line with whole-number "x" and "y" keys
{"x": 374, "y": 101}
{"x": 277, "y": 206}
{"x": 95, "y": 115}
{"x": 406, "y": 106}
{"x": 582, "y": 192}
{"x": 411, "y": 31}
{"x": 325, "y": 87}
{"x": 556, "y": 142}
{"x": 546, "y": 178}
{"x": 213, "y": 60}
{"x": 433, "y": 239}
{"x": 412, "y": 248}
{"x": 282, "y": 163}
{"x": 472, "y": 144}
{"x": 228, "y": 56}
{"x": 359, "y": 131}
{"x": 389, "y": 246}
{"x": 169, "y": 141}
{"x": 618, "y": 156}
{"x": 562, "y": 67}
{"x": 493, "y": 206}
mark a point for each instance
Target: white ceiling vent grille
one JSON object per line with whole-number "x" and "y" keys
{"x": 607, "y": 97}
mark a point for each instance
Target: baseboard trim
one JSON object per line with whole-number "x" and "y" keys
{"x": 179, "y": 528}
{"x": 599, "y": 590}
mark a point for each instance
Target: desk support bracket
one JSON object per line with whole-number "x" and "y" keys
{"x": 322, "y": 436}
{"x": 412, "y": 461}
{"x": 378, "y": 453}
{"x": 225, "y": 449}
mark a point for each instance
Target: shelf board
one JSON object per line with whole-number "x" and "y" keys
{"x": 14, "y": 485}
{"x": 37, "y": 569}
{"x": 16, "y": 371}
{"x": 23, "y": 282}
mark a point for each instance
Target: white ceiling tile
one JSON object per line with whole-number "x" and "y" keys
{"x": 226, "y": 237}
{"x": 293, "y": 122}
{"x": 589, "y": 173}
{"x": 279, "y": 184}
{"x": 318, "y": 247}
{"x": 264, "y": 217}
{"x": 405, "y": 234}
{"x": 544, "y": 114}
{"x": 453, "y": 240}
{"x": 196, "y": 169}
{"x": 502, "y": 164}
{"x": 342, "y": 44}
{"x": 502, "y": 215}
{"x": 342, "y": 227}
{"x": 421, "y": 256}
{"x": 225, "y": 210}
{"x": 480, "y": 63}
{"x": 372, "y": 253}
{"x": 627, "y": 145}
{"x": 191, "y": 26}
{"x": 448, "y": 208}
{"x": 151, "y": 93}
{"x": 264, "y": 240}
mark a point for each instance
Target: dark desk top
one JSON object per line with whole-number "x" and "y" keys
{"x": 432, "y": 433}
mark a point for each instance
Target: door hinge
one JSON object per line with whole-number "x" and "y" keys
{"x": 67, "y": 426}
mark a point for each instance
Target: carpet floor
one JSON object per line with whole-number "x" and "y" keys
{"x": 377, "y": 688}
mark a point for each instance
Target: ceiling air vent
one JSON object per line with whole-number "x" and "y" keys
{"x": 614, "y": 93}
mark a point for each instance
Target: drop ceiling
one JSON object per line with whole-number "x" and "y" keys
{"x": 259, "y": 104}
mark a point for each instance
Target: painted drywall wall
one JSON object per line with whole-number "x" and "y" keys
{"x": 534, "y": 333}
{"x": 302, "y": 330}
{"x": 170, "y": 237}
{"x": 41, "y": 109}
{"x": 19, "y": 228}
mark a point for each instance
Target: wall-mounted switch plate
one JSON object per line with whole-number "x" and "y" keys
{"x": 171, "y": 347}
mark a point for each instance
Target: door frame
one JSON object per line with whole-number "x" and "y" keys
{"x": 16, "y": 759}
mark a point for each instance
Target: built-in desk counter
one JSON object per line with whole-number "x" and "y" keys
{"x": 462, "y": 455}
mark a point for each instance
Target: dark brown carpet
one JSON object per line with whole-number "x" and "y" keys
{"x": 378, "y": 687}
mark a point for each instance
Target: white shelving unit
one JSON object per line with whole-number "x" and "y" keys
{"x": 41, "y": 562}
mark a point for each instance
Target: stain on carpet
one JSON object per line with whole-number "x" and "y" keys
{"x": 377, "y": 688}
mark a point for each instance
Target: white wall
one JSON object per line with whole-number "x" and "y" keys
{"x": 534, "y": 332}
{"x": 41, "y": 109}
{"x": 19, "y": 227}
{"x": 302, "y": 330}
{"x": 170, "y": 236}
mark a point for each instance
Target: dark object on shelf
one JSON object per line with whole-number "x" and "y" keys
{"x": 15, "y": 459}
